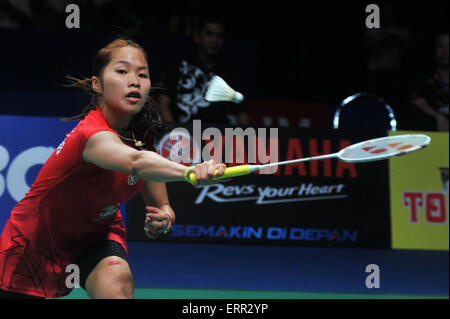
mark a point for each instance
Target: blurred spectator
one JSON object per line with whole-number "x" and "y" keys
{"x": 186, "y": 80}
{"x": 15, "y": 14}
{"x": 430, "y": 94}
{"x": 385, "y": 50}
{"x": 49, "y": 14}
{"x": 124, "y": 16}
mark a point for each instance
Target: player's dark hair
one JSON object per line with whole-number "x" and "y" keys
{"x": 149, "y": 119}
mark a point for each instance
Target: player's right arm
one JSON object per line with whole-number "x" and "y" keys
{"x": 106, "y": 150}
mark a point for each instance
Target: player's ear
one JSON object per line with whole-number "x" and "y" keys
{"x": 96, "y": 84}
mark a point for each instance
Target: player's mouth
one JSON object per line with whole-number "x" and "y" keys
{"x": 133, "y": 97}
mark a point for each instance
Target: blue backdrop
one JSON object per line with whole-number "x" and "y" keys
{"x": 25, "y": 145}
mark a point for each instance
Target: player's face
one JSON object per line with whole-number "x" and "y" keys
{"x": 126, "y": 81}
{"x": 442, "y": 50}
{"x": 211, "y": 38}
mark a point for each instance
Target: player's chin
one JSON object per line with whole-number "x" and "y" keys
{"x": 133, "y": 106}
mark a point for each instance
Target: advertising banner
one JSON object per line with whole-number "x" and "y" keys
{"x": 25, "y": 144}
{"x": 282, "y": 113}
{"x": 419, "y": 196}
{"x": 318, "y": 203}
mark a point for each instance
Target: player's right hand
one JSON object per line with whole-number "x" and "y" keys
{"x": 205, "y": 172}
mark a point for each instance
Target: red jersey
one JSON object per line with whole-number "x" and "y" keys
{"x": 71, "y": 205}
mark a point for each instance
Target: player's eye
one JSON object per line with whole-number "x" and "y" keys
{"x": 121, "y": 71}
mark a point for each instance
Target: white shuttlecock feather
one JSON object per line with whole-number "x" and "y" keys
{"x": 219, "y": 90}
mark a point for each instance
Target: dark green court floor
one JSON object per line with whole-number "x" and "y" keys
{"x": 153, "y": 293}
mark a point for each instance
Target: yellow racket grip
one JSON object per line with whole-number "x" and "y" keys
{"x": 189, "y": 174}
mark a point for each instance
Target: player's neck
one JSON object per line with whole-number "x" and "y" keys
{"x": 116, "y": 121}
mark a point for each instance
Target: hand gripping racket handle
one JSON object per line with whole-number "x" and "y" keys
{"x": 189, "y": 174}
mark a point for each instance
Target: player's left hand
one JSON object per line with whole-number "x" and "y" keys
{"x": 157, "y": 221}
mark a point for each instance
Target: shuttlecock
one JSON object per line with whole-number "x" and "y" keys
{"x": 219, "y": 90}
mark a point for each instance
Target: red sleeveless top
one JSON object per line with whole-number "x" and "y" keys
{"x": 71, "y": 205}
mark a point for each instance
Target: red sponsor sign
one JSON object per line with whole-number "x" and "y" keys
{"x": 281, "y": 113}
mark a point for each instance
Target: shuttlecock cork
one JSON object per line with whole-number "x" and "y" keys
{"x": 219, "y": 90}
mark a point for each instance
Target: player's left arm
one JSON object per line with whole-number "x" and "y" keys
{"x": 159, "y": 215}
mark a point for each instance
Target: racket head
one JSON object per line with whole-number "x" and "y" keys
{"x": 383, "y": 148}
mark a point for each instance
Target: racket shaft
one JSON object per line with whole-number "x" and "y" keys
{"x": 313, "y": 158}
{"x": 247, "y": 169}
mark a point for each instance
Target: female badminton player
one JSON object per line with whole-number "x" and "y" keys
{"x": 71, "y": 213}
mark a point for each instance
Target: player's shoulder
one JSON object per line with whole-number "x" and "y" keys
{"x": 93, "y": 123}
{"x": 102, "y": 137}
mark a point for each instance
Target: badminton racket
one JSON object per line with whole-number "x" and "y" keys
{"x": 367, "y": 151}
